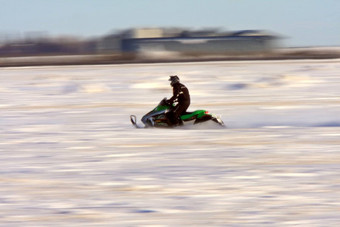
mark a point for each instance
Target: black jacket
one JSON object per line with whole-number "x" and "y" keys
{"x": 180, "y": 94}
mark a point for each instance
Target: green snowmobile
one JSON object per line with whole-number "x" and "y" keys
{"x": 158, "y": 118}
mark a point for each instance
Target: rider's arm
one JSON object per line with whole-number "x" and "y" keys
{"x": 175, "y": 95}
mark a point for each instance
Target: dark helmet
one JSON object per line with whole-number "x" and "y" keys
{"x": 174, "y": 79}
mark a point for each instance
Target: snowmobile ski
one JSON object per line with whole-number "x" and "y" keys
{"x": 133, "y": 120}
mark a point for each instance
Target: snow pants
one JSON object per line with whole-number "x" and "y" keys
{"x": 174, "y": 114}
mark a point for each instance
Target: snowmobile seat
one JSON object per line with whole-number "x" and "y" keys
{"x": 192, "y": 115}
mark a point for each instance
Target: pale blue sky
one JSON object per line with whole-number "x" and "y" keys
{"x": 303, "y": 22}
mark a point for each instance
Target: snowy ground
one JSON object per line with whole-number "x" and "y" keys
{"x": 70, "y": 157}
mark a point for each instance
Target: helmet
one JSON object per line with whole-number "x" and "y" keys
{"x": 174, "y": 79}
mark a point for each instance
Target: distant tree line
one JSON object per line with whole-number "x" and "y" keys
{"x": 47, "y": 46}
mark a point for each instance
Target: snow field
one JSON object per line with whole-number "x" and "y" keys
{"x": 70, "y": 156}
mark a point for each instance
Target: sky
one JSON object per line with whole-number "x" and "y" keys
{"x": 299, "y": 22}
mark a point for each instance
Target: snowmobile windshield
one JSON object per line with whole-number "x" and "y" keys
{"x": 163, "y": 105}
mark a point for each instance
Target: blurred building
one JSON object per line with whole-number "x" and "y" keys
{"x": 186, "y": 42}
{"x": 146, "y": 42}
{"x": 114, "y": 43}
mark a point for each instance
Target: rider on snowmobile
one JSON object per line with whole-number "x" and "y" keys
{"x": 182, "y": 97}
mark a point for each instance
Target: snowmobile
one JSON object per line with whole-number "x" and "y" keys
{"x": 158, "y": 118}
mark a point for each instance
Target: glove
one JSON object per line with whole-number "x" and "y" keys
{"x": 168, "y": 102}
